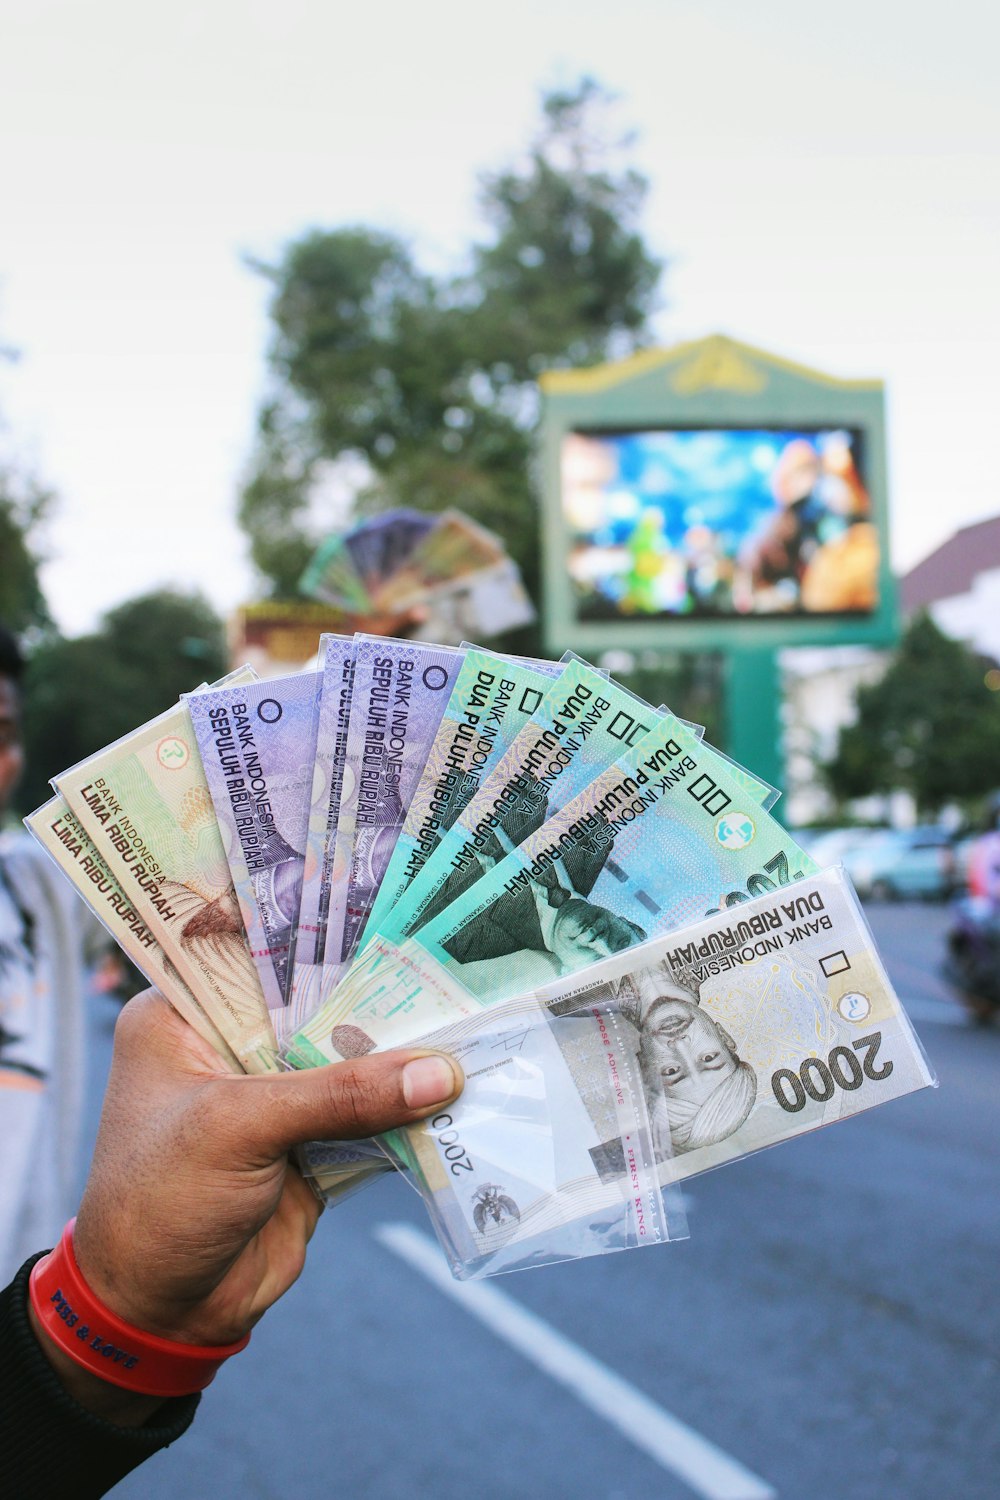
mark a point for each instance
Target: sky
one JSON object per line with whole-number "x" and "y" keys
{"x": 824, "y": 183}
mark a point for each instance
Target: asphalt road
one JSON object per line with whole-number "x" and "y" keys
{"x": 831, "y": 1330}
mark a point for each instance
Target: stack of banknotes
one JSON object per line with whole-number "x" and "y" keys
{"x": 455, "y": 572}
{"x": 519, "y": 861}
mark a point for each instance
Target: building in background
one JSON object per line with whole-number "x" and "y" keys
{"x": 959, "y": 585}
{"x": 819, "y": 686}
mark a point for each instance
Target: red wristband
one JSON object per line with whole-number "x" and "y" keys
{"x": 96, "y": 1338}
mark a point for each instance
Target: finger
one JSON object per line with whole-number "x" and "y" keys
{"x": 349, "y": 1100}
{"x": 148, "y": 1026}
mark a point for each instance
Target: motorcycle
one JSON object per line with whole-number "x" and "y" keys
{"x": 972, "y": 961}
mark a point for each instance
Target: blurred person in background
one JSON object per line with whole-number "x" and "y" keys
{"x": 47, "y": 941}
{"x": 984, "y": 862}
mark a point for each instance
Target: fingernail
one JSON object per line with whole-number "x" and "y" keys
{"x": 427, "y": 1080}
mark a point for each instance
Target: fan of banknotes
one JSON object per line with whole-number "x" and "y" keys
{"x": 568, "y": 888}
{"x": 454, "y": 571}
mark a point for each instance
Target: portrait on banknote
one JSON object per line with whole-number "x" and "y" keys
{"x": 698, "y": 1089}
{"x": 547, "y": 927}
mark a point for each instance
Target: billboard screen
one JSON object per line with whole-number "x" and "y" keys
{"x": 714, "y": 523}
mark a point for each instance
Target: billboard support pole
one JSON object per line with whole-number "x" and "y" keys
{"x": 753, "y": 711}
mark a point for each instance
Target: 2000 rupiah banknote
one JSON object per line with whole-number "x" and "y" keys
{"x": 768, "y": 1020}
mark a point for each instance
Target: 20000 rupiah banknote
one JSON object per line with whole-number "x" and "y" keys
{"x": 493, "y": 697}
{"x": 653, "y": 842}
{"x": 752, "y": 1027}
{"x": 583, "y": 724}
{"x": 64, "y": 839}
{"x": 258, "y": 745}
{"x": 146, "y": 806}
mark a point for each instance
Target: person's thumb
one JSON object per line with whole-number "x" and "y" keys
{"x": 350, "y": 1100}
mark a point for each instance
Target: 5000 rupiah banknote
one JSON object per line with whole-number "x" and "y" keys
{"x": 145, "y": 805}
{"x": 62, "y": 837}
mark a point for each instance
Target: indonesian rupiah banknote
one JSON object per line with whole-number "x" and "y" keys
{"x": 313, "y": 956}
{"x": 335, "y": 1169}
{"x": 63, "y": 837}
{"x": 145, "y": 804}
{"x": 584, "y": 723}
{"x": 399, "y": 694}
{"x": 258, "y": 745}
{"x": 659, "y": 837}
{"x": 454, "y": 546}
{"x": 548, "y": 1153}
{"x": 493, "y": 697}
{"x": 768, "y": 1020}
{"x": 765, "y": 1021}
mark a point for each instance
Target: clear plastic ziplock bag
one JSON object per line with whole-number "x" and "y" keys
{"x": 547, "y": 1155}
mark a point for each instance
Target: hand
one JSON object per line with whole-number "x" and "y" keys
{"x": 193, "y": 1221}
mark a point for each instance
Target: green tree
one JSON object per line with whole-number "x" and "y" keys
{"x": 81, "y": 694}
{"x": 432, "y": 380}
{"x": 930, "y": 727}
{"x": 24, "y": 505}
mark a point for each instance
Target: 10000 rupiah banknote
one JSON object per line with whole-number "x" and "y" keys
{"x": 747, "y": 1029}
{"x": 660, "y": 837}
{"x": 145, "y": 805}
{"x": 311, "y": 956}
{"x": 399, "y": 695}
{"x": 258, "y": 744}
{"x": 490, "y": 702}
{"x": 64, "y": 839}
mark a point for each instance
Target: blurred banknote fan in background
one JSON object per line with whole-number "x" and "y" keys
{"x": 451, "y": 570}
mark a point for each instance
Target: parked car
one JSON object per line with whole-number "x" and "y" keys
{"x": 904, "y": 862}
{"x": 831, "y": 846}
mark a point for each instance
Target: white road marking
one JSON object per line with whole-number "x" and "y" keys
{"x": 674, "y": 1446}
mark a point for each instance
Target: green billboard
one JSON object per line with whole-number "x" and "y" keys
{"x": 714, "y": 497}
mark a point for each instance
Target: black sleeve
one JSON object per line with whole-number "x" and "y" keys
{"x": 49, "y": 1444}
